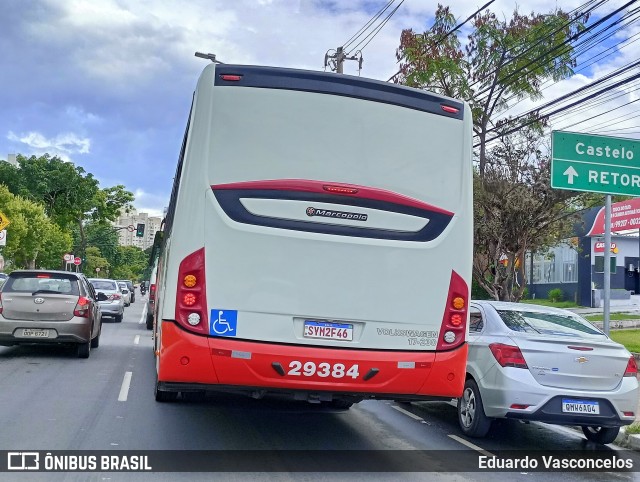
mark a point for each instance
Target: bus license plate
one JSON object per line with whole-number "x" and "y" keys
{"x": 34, "y": 333}
{"x": 328, "y": 331}
{"x": 580, "y": 406}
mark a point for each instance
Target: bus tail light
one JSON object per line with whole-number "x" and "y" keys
{"x": 453, "y": 329}
{"x": 191, "y": 296}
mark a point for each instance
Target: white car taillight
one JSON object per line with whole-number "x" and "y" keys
{"x": 632, "y": 367}
{"x": 508, "y": 355}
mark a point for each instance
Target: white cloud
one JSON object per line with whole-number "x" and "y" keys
{"x": 150, "y": 203}
{"x": 62, "y": 145}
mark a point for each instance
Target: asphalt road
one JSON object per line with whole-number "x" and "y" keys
{"x": 50, "y": 401}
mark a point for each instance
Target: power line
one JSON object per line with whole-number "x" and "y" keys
{"x": 557, "y": 111}
{"x": 363, "y": 28}
{"x": 548, "y": 36}
{"x": 377, "y": 29}
{"x": 470, "y": 17}
{"x": 587, "y": 44}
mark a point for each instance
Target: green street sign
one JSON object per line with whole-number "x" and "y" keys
{"x": 592, "y": 163}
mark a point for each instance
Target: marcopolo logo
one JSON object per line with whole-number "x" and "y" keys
{"x": 326, "y": 213}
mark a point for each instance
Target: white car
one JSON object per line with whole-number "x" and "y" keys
{"x": 126, "y": 294}
{"x": 545, "y": 364}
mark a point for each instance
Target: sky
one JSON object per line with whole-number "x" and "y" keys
{"x": 107, "y": 84}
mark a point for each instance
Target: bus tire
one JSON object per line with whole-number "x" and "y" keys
{"x": 164, "y": 396}
{"x": 149, "y": 322}
{"x": 471, "y": 418}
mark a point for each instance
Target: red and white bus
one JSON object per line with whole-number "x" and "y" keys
{"x": 318, "y": 240}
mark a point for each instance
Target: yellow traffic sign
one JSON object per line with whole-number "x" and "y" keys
{"x": 4, "y": 221}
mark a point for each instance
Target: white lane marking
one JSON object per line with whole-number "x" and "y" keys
{"x": 136, "y": 340}
{"x": 144, "y": 315}
{"x": 470, "y": 445}
{"x": 124, "y": 389}
{"x": 408, "y": 414}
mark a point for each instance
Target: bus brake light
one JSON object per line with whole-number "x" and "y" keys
{"x": 340, "y": 189}
{"x": 231, "y": 77}
{"x": 454, "y": 326}
{"x": 189, "y": 299}
{"x": 191, "y": 296}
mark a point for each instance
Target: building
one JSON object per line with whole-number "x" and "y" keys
{"x": 577, "y": 265}
{"x": 128, "y": 237}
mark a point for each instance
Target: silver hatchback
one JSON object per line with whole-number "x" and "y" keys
{"x": 38, "y": 307}
{"x": 531, "y": 362}
{"x": 113, "y": 304}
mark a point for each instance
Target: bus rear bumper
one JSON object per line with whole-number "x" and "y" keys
{"x": 190, "y": 362}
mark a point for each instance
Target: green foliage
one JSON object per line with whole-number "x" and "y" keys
{"x": 32, "y": 239}
{"x": 629, "y": 338}
{"x": 555, "y": 295}
{"x": 129, "y": 263}
{"x": 545, "y": 302}
{"x": 633, "y": 429}
{"x": 94, "y": 259}
{"x": 502, "y": 62}
{"x": 478, "y": 292}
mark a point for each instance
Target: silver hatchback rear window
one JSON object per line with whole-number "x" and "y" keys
{"x": 41, "y": 282}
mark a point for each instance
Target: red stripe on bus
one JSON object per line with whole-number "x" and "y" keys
{"x": 189, "y": 358}
{"x": 305, "y": 185}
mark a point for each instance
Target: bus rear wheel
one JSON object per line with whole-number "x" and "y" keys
{"x": 163, "y": 395}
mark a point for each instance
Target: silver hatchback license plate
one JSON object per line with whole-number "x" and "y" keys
{"x": 35, "y": 333}
{"x": 587, "y": 407}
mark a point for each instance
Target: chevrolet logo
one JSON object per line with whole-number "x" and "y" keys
{"x": 582, "y": 359}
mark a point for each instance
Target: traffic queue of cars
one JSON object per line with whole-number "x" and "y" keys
{"x": 58, "y": 307}
{"x": 525, "y": 362}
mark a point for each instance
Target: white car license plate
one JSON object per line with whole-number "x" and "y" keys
{"x": 328, "y": 331}
{"x": 587, "y": 407}
{"x": 35, "y": 333}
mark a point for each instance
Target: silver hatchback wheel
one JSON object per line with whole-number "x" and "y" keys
{"x": 471, "y": 417}
{"x": 467, "y": 408}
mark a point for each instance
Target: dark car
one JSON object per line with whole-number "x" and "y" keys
{"x": 45, "y": 306}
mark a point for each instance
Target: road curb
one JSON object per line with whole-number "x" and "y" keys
{"x": 628, "y": 441}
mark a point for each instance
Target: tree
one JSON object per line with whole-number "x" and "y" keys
{"x": 93, "y": 260}
{"x": 515, "y": 210}
{"x": 130, "y": 262}
{"x": 70, "y": 195}
{"x": 32, "y": 239}
{"x": 502, "y": 62}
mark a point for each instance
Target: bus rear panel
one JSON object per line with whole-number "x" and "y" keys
{"x": 318, "y": 240}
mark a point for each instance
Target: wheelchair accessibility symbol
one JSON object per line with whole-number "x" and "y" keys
{"x": 223, "y": 322}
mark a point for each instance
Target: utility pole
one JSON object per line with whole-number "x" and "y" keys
{"x": 336, "y": 60}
